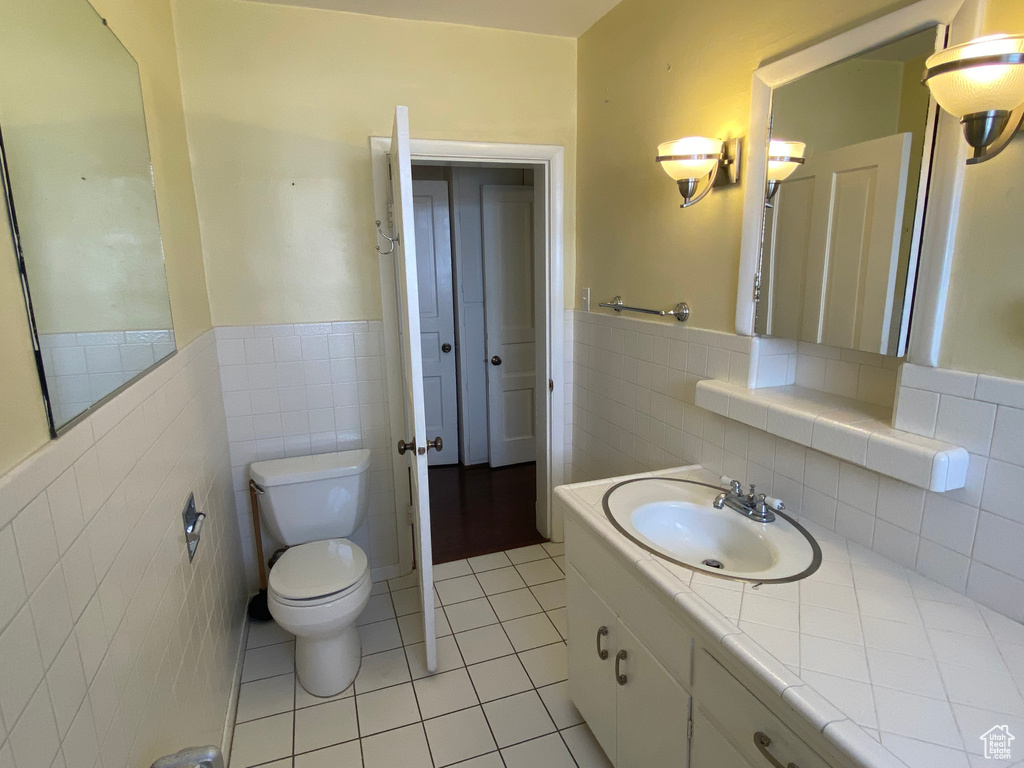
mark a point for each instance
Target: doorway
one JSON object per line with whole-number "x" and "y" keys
{"x": 475, "y": 235}
{"x": 547, "y": 165}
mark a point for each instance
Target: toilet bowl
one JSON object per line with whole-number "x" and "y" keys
{"x": 316, "y": 591}
{"x": 320, "y": 585}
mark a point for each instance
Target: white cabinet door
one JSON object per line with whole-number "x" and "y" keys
{"x": 652, "y": 709}
{"x": 710, "y": 749}
{"x": 592, "y": 687}
{"x": 511, "y": 331}
{"x": 437, "y": 317}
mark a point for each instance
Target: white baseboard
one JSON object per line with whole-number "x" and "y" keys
{"x": 385, "y": 572}
{"x": 229, "y": 721}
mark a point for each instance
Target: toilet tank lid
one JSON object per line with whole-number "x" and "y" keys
{"x": 303, "y": 469}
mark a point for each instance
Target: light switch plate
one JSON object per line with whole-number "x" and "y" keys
{"x": 585, "y": 300}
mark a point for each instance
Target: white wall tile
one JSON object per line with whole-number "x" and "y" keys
{"x": 968, "y": 423}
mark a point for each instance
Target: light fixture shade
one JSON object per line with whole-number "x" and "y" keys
{"x": 779, "y": 169}
{"x": 697, "y": 157}
{"x": 964, "y": 79}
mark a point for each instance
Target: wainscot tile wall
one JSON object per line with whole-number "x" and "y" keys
{"x": 114, "y": 648}
{"x": 82, "y": 368}
{"x": 296, "y": 390}
{"x": 633, "y": 410}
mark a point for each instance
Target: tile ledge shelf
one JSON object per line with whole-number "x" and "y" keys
{"x": 853, "y": 431}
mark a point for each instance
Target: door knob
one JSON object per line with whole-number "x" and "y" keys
{"x": 495, "y": 360}
{"x": 446, "y": 348}
{"x": 404, "y": 446}
{"x": 436, "y": 444}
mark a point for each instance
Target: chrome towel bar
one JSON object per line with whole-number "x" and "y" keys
{"x": 680, "y": 311}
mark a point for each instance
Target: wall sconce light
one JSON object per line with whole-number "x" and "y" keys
{"x": 784, "y": 157}
{"x": 695, "y": 158}
{"x": 982, "y": 83}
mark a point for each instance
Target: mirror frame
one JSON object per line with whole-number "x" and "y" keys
{"x": 962, "y": 20}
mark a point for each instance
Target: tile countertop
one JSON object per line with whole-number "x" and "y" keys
{"x": 894, "y": 669}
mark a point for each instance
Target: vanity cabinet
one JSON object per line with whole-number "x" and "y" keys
{"x": 678, "y": 704}
{"x": 636, "y": 709}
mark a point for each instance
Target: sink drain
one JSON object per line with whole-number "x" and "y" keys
{"x": 713, "y": 563}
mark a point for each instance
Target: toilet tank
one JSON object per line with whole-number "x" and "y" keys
{"x": 310, "y": 498}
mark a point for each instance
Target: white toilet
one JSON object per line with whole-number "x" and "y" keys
{"x": 321, "y": 584}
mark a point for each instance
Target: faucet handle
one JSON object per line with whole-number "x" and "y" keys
{"x": 734, "y": 485}
{"x": 774, "y": 503}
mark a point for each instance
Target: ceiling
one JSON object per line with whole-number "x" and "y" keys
{"x": 567, "y": 18}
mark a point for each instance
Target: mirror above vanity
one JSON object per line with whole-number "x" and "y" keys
{"x": 81, "y": 203}
{"x": 842, "y": 225}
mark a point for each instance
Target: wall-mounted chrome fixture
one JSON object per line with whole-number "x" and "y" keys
{"x": 680, "y": 311}
{"x": 693, "y": 159}
{"x": 783, "y": 158}
{"x": 982, "y": 83}
{"x": 193, "y": 522}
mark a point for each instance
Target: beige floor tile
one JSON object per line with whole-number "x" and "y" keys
{"x": 269, "y": 696}
{"x": 407, "y": 601}
{"x": 489, "y": 562}
{"x": 550, "y": 595}
{"x": 539, "y": 572}
{"x": 558, "y": 618}
{"x": 260, "y": 741}
{"x": 268, "y": 661}
{"x": 458, "y": 590}
{"x": 560, "y": 706}
{"x": 531, "y": 632}
{"x": 548, "y": 751}
{"x": 470, "y": 615}
{"x": 451, "y": 570}
{"x": 518, "y": 718}
{"x": 347, "y": 755}
{"x": 402, "y": 748}
{"x": 499, "y": 677}
{"x": 459, "y": 736}
{"x": 266, "y": 633}
{"x": 304, "y": 698}
{"x": 378, "y": 608}
{"x": 386, "y": 709}
{"x": 325, "y": 724}
{"x": 515, "y": 604}
{"x": 584, "y": 748}
{"x": 526, "y": 554}
{"x": 443, "y": 693}
{"x": 500, "y": 580}
{"x": 545, "y": 665}
{"x": 483, "y": 644}
{"x": 382, "y": 670}
{"x": 448, "y": 657}
{"x": 381, "y": 636}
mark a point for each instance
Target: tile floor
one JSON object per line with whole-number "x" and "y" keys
{"x": 499, "y": 697}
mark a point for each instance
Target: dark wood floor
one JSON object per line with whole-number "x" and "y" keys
{"x": 479, "y": 510}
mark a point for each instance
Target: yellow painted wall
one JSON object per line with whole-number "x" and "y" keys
{"x": 147, "y": 31}
{"x": 984, "y": 328}
{"x": 280, "y": 103}
{"x": 652, "y": 70}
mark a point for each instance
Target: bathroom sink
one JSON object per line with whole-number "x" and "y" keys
{"x": 675, "y": 519}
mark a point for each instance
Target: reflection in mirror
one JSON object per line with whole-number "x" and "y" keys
{"x": 842, "y": 231}
{"x": 81, "y": 201}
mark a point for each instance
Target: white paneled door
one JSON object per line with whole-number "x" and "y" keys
{"x": 509, "y": 285}
{"x": 836, "y": 229}
{"x": 437, "y": 317}
{"x": 413, "y": 445}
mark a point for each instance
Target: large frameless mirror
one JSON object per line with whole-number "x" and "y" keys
{"x": 81, "y": 203}
{"x": 852, "y": 143}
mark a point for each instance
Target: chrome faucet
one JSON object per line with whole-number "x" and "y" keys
{"x": 756, "y": 506}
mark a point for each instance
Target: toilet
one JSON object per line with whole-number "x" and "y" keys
{"x": 321, "y": 584}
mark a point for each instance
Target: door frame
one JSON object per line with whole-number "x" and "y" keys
{"x": 548, "y": 164}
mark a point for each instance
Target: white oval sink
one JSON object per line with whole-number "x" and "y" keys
{"x": 675, "y": 519}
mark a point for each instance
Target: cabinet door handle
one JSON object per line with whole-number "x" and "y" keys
{"x": 602, "y": 653}
{"x": 619, "y": 677}
{"x": 762, "y": 742}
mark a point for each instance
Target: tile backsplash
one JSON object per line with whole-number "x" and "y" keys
{"x": 114, "y": 648}
{"x": 82, "y": 368}
{"x": 633, "y": 410}
{"x": 295, "y": 390}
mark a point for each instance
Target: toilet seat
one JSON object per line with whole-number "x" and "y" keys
{"x": 318, "y": 572}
